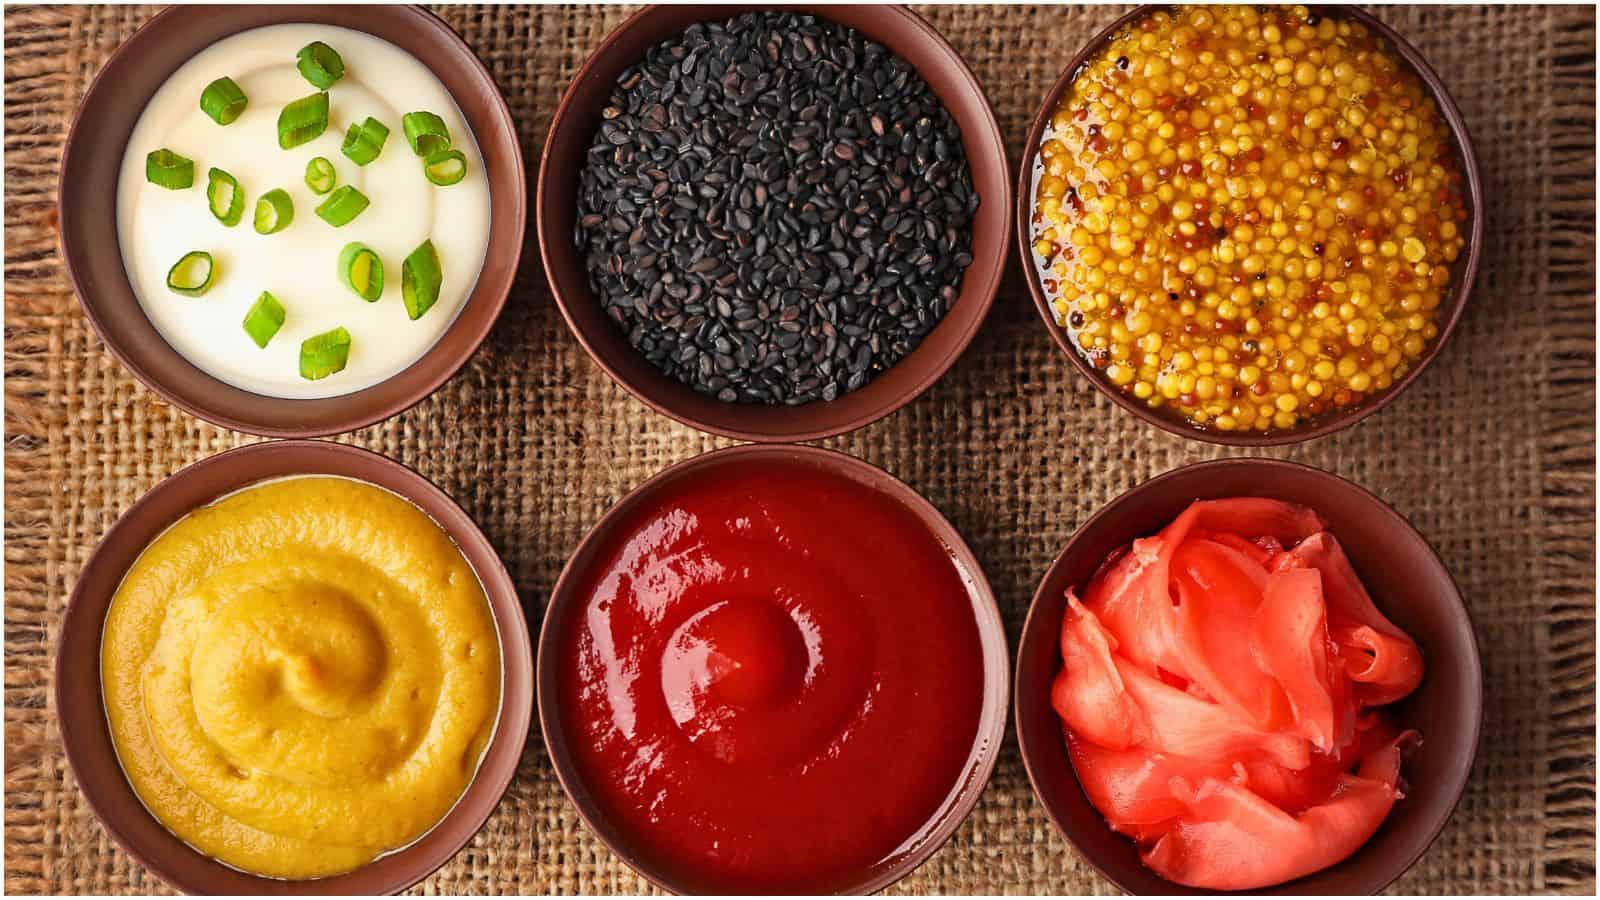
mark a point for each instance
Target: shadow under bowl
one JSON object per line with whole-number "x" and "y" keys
{"x": 579, "y": 115}
{"x": 80, "y": 703}
{"x": 92, "y": 161}
{"x": 1464, "y": 269}
{"x": 567, "y": 598}
{"x": 1408, "y": 582}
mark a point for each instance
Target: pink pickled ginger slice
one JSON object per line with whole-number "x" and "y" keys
{"x": 1089, "y": 694}
{"x": 1289, "y": 636}
{"x": 1229, "y": 838}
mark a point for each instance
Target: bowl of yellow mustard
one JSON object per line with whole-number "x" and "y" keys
{"x": 294, "y": 667}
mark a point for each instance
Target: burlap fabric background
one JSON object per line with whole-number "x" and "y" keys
{"x": 1491, "y": 454}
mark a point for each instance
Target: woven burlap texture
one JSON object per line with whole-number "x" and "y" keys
{"x": 1490, "y": 454}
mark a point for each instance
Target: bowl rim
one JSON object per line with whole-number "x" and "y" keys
{"x": 1327, "y": 424}
{"x": 501, "y": 755}
{"x": 1033, "y": 622}
{"x": 996, "y": 704}
{"x": 986, "y": 133}
{"x": 450, "y": 365}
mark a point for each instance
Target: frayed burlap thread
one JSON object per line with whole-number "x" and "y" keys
{"x": 1490, "y": 454}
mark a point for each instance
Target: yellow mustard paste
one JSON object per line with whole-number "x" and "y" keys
{"x": 301, "y": 676}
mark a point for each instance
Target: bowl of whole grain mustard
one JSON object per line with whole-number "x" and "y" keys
{"x": 1250, "y": 225}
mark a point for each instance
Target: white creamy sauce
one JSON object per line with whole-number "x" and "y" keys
{"x": 299, "y": 264}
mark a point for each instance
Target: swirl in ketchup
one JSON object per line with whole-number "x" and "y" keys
{"x": 775, "y": 681}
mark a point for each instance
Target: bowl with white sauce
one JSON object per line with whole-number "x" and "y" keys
{"x": 293, "y": 221}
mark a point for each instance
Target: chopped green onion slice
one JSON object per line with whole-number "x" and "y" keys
{"x": 320, "y": 64}
{"x": 264, "y": 319}
{"x": 223, "y": 101}
{"x": 169, "y": 170}
{"x": 445, "y": 168}
{"x": 303, "y": 120}
{"x": 361, "y": 271}
{"x": 342, "y": 206}
{"x": 320, "y": 175}
{"x": 192, "y": 274}
{"x": 363, "y": 142}
{"x": 323, "y": 354}
{"x": 420, "y": 278}
{"x": 425, "y": 132}
{"x": 224, "y": 196}
{"x": 274, "y": 211}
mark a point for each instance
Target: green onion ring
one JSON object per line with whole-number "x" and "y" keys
{"x": 324, "y": 354}
{"x": 342, "y": 206}
{"x": 274, "y": 211}
{"x": 363, "y": 142}
{"x": 320, "y": 175}
{"x": 445, "y": 168}
{"x": 361, "y": 271}
{"x": 264, "y": 319}
{"x": 320, "y": 64}
{"x": 224, "y": 197}
{"x": 192, "y": 274}
{"x": 420, "y": 277}
{"x": 303, "y": 120}
{"x": 164, "y": 168}
{"x": 425, "y": 132}
{"x": 223, "y": 101}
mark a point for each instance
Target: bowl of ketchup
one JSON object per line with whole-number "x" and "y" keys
{"x": 1248, "y": 674}
{"x": 773, "y": 669}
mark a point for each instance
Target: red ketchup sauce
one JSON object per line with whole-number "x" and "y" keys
{"x": 776, "y": 681}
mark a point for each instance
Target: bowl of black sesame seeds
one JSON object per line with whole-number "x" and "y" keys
{"x": 774, "y": 224}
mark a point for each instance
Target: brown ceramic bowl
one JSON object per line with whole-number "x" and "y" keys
{"x": 1455, "y": 300}
{"x": 576, "y": 119}
{"x": 89, "y": 246}
{"x": 1407, "y": 581}
{"x": 567, "y": 597}
{"x": 80, "y": 707}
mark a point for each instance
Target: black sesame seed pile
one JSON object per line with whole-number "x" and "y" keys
{"x": 775, "y": 209}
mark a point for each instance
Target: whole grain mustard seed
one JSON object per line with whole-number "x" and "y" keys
{"x": 1248, "y": 217}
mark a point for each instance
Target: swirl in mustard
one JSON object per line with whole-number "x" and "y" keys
{"x": 301, "y": 677}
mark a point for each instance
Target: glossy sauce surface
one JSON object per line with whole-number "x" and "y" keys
{"x": 775, "y": 682}
{"x": 301, "y": 677}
